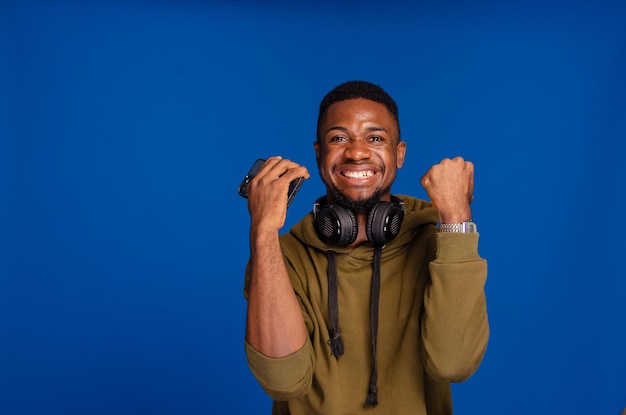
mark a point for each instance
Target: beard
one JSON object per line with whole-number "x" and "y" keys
{"x": 357, "y": 206}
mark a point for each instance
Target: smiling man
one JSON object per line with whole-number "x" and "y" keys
{"x": 358, "y": 149}
{"x": 366, "y": 305}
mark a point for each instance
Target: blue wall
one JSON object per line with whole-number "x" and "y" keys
{"x": 126, "y": 126}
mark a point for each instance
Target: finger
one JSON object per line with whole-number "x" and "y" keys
{"x": 270, "y": 163}
{"x": 424, "y": 180}
{"x": 280, "y": 166}
{"x": 295, "y": 173}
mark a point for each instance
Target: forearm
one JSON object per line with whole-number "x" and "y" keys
{"x": 275, "y": 326}
{"x": 455, "y": 329}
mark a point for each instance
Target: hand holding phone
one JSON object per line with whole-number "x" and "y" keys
{"x": 294, "y": 186}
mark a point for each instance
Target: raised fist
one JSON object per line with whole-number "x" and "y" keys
{"x": 450, "y": 187}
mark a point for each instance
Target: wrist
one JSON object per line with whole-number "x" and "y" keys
{"x": 260, "y": 236}
{"x": 455, "y": 216}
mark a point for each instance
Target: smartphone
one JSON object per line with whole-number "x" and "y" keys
{"x": 294, "y": 186}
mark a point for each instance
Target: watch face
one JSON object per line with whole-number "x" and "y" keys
{"x": 469, "y": 227}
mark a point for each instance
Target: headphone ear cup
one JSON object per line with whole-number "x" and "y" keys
{"x": 383, "y": 222}
{"x": 335, "y": 225}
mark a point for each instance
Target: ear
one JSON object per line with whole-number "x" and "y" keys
{"x": 316, "y": 145}
{"x": 400, "y": 153}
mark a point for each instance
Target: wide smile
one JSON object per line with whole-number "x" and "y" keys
{"x": 360, "y": 174}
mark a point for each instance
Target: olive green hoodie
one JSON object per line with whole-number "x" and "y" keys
{"x": 432, "y": 328}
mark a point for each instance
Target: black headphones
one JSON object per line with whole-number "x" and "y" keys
{"x": 337, "y": 226}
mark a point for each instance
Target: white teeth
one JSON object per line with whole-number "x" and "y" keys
{"x": 358, "y": 174}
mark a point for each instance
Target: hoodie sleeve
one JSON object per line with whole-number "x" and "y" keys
{"x": 455, "y": 329}
{"x": 283, "y": 378}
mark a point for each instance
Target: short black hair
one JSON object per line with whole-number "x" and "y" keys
{"x": 355, "y": 90}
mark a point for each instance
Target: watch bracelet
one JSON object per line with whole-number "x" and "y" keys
{"x": 458, "y": 227}
{"x": 451, "y": 227}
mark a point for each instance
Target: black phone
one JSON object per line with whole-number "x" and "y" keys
{"x": 294, "y": 186}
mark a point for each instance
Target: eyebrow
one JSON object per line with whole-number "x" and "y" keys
{"x": 340, "y": 128}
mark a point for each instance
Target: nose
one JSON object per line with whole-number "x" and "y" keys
{"x": 358, "y": 150}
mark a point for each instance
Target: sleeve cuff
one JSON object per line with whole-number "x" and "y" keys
{"x": 284, "y": 377}
{"x": 456, "y": 247}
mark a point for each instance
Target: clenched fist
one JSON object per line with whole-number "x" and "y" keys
{"x": 450, "y": 187}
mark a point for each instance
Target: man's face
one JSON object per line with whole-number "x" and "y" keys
{"x": 358, "y": 150}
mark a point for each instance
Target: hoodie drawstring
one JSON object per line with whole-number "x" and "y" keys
{"x": 335, "y": 342}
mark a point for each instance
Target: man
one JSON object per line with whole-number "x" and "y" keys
{"x": 365, "y": 306}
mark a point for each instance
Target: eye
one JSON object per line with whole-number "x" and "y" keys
{"x": 338, "y": 139}
{"x": 376, "y": 139}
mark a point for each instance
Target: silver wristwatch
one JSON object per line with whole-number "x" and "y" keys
{"x": 464, "y": 227}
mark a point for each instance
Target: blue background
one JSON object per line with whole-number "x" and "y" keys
{"x": 126, "y": 126}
